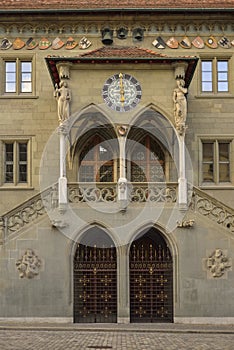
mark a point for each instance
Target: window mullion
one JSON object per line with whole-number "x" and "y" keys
{"x": 216, "y": 162}
{"x": 215, "y": 75}
{"x": 18, "y": 76}
{"x": 15, "y": 163}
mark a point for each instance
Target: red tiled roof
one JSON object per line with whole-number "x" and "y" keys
{"x": 122, "y": 52}
{"x": 114, "y": 4}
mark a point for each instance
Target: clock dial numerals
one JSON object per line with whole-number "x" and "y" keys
{"x": 122, "y": 92}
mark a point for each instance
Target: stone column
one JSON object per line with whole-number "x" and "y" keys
{"x": 62, "y": 181}
{"x": 182, "y": 181}
{"x": 123, "y": 285}
{"x": 180, "y": 115}
{"x": 122, "y": 181}
{"x": 63, "y": 96}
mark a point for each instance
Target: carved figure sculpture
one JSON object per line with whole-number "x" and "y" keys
{"x": 29, "y": 264}
{"x": 180, "y": 105}
{"x": 63, "y": 97}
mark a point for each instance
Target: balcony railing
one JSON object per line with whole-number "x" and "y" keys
{"x": 137, "y": 192}
{"x": 29, "y": 211}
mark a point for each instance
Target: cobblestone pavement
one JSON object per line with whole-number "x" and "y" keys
{"x": 76, "y": 339}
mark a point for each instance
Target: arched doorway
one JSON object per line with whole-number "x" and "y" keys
{"x": 151, "y": 279}
{"x": 95, "y": 279}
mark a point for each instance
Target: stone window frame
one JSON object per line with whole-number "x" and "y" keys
{"x": 215, "y": 93}
{"x": 15, "y": 141}
{"x": 18, "y": 59}
{"x": 216, "y": 139}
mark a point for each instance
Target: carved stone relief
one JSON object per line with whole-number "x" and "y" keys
{"x": 218, "y": 264}
{"x": 185, "y": 223}
{"x": 29, "y": 265}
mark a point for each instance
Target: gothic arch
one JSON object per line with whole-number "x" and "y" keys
{"x": 94, "y": 276}
{"x": 151, "y": 276}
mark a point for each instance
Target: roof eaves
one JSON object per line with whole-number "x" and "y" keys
{"x": 52, "y": 61}
{"x": 134, "y": 9}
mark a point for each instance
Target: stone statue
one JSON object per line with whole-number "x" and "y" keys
{"x": 180, "y": 105}
{"x": 63, "y": 97}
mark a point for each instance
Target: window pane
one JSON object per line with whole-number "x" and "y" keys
{"x": 208, "y": 162}
{"x": 22, "y": 151}
{"x": 224, "y": 172}
{"x": 9, "y": 173}
{"x": 157, "y": 173}
{"x": 9, "y": 166}
{"x": 104, "y": 153}
{"x": 23, "y": 173}
{"x": 222, "y": 66}
{"x": 222, "y": 76}
{"x": 86, "y": 173}
{"x": 26, "y": 77}
{"x": 208, "y": 173}
{"x": 106, "y": 173}
{"x": 22, "y": 162}
{"x": 224, "y": 152}
{"x": 207, "y": 76}
{"x": 10, "y": 67}
{"x": 222, "y": 86}
{"x": 138, "y": 173}
{"x": 26, "y": 66}
{"x": 207, "y": 66}
{"x": 207, "y": 87}
{"x": 10, "y": 76}
{"x": 208, "y": 152}
{"x": 26, "y": 87}
{"x": 9, "y": 152}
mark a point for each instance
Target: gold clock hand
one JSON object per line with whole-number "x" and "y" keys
{"x": 121, "y": 85}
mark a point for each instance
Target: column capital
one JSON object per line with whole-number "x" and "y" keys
{"x": 64, "y": 69}
{"x": 180, "y": 69}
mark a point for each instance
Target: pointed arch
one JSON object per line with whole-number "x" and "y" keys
{"x": 95, "y": 277}
{"x": 162, "y": 143}
{"x": 151, "y": 277}
{"x": 92, "y": 132}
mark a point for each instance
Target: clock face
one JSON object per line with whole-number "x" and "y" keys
{"x": 121, "y": 92}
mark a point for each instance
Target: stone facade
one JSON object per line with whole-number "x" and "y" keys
{"x": 71, "y": 121}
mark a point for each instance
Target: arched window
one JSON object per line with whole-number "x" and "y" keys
{"x": 147, "y": 161}
{"x": 96, "y": 161}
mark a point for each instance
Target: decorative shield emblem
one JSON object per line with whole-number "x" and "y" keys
{"x": 84, "y": 43}
{"x": 172, "y": 43}
{"x": 57, "y": 44}
{"x": 211, "y": 42}
{"x": 185, "y": 43}
{"x": 5, "y": 44}
{"x": 159, "y": 43}
{"x": 31, "y": 44}
{"x": 225, "y": 43}
{"x": 71, "y": 43}
{"x": 18, "y": 44}
{"x": 44, "y": 44}
{"x": 198, "y": 42}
